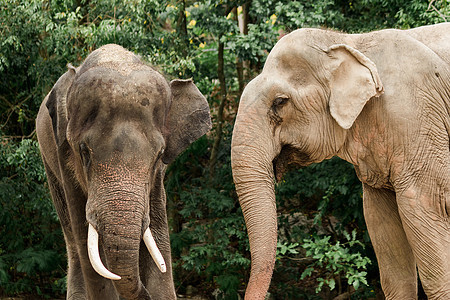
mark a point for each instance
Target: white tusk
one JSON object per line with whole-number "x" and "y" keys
{"x": 154, "y": 251}
{"x": 94, "y": 256}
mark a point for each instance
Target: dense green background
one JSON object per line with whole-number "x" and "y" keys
{"x": 323, "y": 244}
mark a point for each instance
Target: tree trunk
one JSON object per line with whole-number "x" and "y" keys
{"x": 182, "y": 28}
{"x": 240, "y": 75}
{"x": 241, "y": 65}
{"x": 223, "y": 99}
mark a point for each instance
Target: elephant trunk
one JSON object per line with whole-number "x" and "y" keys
{"x": 121, "y": 247}
{"x": 251, "y": 158}
{"x": 118, "y": 216}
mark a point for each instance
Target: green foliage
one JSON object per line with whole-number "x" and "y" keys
{"x": 337, "y": 260}
{"x": 212, "y": 243}
{"x": 330, "y": 188}
{"x": 38, "y": 38}
{"x": 32, "y": 248}
{"x": 285, "y": 249}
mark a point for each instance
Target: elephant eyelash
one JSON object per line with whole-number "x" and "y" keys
{"x": 160, "y": 154}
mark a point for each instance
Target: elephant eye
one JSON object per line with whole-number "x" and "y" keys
{"x": 85, "y": 154}
{"x": 280, "y": 101}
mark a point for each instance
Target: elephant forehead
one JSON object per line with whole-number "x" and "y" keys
{"x": 97, "y": 103}
{"x": 292, "y": 65}
{"x": 112, "y": 82}
{"x": 264, "y": 89}
{"x": 105, "y": 89}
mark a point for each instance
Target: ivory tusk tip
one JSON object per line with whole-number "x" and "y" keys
{"x": 163, "y": 268}
{"x": 114, "y": 277}
{"x": 154, "y": 251}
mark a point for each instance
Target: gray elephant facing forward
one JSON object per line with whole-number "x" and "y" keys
{"x": 379, "y": 100}
{"x": 107, "y": 131}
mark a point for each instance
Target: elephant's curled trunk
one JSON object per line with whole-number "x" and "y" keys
{"x": 251, "y": 159}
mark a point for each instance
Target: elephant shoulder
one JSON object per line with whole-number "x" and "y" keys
{"x": 435, "y": 37}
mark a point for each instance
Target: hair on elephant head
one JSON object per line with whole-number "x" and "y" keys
{"x": 379, "y": 100}
{"x": 107, "y": 131}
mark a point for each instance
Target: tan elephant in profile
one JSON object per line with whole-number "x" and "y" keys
{"x": 378, "y": 100}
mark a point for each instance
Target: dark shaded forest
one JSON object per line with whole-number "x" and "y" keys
{"x": 323, "y": 249}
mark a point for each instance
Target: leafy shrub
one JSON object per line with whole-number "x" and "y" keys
{"x": 32, "y": 247}
{"x": 212, "y": 242}
{"x": 337, "y": 260}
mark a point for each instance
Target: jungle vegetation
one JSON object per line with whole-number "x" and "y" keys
{"x": 323, "y": 249}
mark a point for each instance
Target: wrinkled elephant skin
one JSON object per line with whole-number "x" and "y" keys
{"x": 378, "y": 100}
{"x": 107, "y": 131}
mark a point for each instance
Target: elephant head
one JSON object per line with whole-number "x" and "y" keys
{"x": 297, "y": 111}
{"x": 117, "y": 123}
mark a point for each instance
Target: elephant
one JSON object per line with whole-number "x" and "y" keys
{"x": 379, "y": 100}
{"x": 107, "y": 131}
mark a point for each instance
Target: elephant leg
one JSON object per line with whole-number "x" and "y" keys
{"x": 97, "y": 287}
{"x": 426, "y": 223}
{"x": 159, "y": 285}
{"x": 79, "y": 284}
{"x": 395, "y": 258}
{"x": 75, "y": 281}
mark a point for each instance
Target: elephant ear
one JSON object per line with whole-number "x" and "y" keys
{"x": 187, "y": 120}
{"x": 56, "y": 104}
{"x": 354, "y": 80}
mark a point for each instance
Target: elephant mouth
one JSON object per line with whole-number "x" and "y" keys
{"x": 289, "y": 158}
